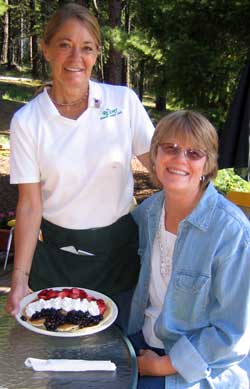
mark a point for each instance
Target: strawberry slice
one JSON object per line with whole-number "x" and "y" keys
{"x": 66, "y": 292}
{"x": 63, "y": 293}
{"x": 52, "y": 294}
{"x": 74, "y": 293}
{"x": 47, "y": 294}
{"x": 82, "y": 294}
{"x": 43, "y": 294}
{"x": 101, "y": 305}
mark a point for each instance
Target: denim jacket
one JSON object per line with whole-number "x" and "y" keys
{"x": 205, "y": 320}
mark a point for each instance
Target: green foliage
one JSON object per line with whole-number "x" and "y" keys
{"x": 136, "y": 43}
{"x": 204, "y": 45}
{"x": 3, "y": 7}
{"x": 227, "y": 181}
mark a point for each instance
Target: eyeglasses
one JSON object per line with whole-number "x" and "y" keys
{"x": 173, "y": 149}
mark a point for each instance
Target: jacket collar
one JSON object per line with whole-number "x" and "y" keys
{"x": 202, "y": 214}
{"x": 200, "y": 217}
{"x": 153, "y": 215}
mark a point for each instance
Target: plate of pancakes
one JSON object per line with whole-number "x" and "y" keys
{"x": 64, "y": 312}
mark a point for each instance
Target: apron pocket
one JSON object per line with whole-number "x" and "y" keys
{"x": 52, "y": 267}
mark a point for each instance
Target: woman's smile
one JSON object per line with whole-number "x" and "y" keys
{"x": 73, "y": 69}
{"x": 177, "y": 172}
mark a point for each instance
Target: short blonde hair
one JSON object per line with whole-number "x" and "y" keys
{"x": 190, "y": 127}
{"x": 72, "y": 11}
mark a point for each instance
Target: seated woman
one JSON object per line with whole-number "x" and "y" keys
{"x": 190, "y": 314}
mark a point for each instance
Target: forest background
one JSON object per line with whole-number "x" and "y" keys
{"x": 175, "y": 53}
{"x": 185, "y": 52}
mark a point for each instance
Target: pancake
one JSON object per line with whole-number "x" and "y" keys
{"x": 48, "y": 319}
{"x": 75, "y": 328}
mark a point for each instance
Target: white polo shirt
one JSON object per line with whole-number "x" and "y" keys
{"x": 83, "y": 165}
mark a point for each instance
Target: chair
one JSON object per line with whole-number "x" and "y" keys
{"x": 242, "y": 199}
{"x": 11, "y": 224}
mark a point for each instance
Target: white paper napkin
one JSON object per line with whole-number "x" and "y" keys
{"x": 68, "y": 365}
{"x": 72, "y": 249}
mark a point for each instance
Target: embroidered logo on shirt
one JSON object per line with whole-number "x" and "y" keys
{"x": 107, "y": 113}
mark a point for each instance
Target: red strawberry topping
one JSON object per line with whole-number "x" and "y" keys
{"x": 101, "y": 305}
{"x": 73, "y": 293}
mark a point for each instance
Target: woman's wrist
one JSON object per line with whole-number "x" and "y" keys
{"x": 22, "y": 271}
{"x": 165, "y": 366}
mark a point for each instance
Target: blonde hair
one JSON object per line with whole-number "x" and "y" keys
{"x": 72, "y": 11}
{"x": 190, "y": 127}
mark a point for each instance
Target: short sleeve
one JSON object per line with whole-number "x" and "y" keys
{"x": 23, "y": 159}
{"x": 142, "y": 127}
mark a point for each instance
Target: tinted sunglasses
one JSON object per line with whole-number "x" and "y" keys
{"x": 173, "y": 149}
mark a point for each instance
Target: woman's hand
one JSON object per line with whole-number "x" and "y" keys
{"x": 19, "y": 289}
{"x": 150, "y": 363}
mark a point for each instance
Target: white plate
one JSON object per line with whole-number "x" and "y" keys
{"x": 107, "y": 321}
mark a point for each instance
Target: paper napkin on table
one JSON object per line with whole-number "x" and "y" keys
{"x": 68, "y": 365}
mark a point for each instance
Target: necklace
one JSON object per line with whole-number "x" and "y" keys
{"x": 166, "y": 249}
{"x": 73, "y": 103}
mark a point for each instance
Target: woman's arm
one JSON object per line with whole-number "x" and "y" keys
{"x": 226, "y": 340}
{"x": 28, "y": 221}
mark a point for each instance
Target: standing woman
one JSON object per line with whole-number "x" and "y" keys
{"x": 190, "y": 313}
{"x": 71, "y": 151}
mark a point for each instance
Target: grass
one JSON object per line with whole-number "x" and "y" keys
{"x": 4, "y": 140}
{"x": 18, "y": 90}
{"x": 15, "y": 71}
{"x": 20, "y": 87}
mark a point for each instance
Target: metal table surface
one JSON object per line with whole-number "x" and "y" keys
{"x": 17, "y": 343}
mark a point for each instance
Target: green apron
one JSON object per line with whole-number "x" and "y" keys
{"x": 112, "y": 269}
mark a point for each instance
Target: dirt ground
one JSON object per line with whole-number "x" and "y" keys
{"x": 8, "y": 193}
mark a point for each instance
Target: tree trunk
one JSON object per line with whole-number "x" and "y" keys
{"x": 161, "y": 90}
{"x": 4, "y": 53}
{"x": 141, "y": 80}
{"x": 44, "y": 14}
{"x": 160, "y": 103}
{"x": 21, "y": 47}
{"x": 34, "y": 41}
{"x": 10, "y": 44}
{"x": 114, "y": 71}
{"x": 126, "y": 60}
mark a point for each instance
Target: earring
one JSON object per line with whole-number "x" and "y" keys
{"x": 202, "y": 178}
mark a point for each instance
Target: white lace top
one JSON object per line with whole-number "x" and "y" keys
{"x": 161, "y": 269}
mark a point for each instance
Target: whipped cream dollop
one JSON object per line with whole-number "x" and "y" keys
{"x": 67, "y": 304}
